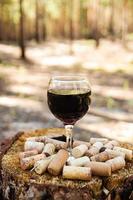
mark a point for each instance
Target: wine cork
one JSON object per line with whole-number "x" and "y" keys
{"x": 98, "y": 145}
{"x": 28, "y": 163}
{"x": 128, "y": 152}
{"x": 58, "y": 162}
{"x": 32, "y": 145}
{"x": 41, "y": 165}
{"x": 99, "y": 168}
{"x": 80, "y": 161}
{"x": 78, "y": 173}
{"x": 116, "y": 163}
{"x": 79, "y": 150}
{"x": 111, "y": 144}
{"x": 28, "y": 153}
{"x": 100, "y": 157}
{"x": 114, "y": 153}
{"x": 71, "y": 158}
{"x": 102, "y": 140}
{"x": 58, "y": 144}
{"x": 49, "y": 149}
{"x": 94, "y": 149}
{"x": 78, "y": 142}
{"x": 37, "y": 139}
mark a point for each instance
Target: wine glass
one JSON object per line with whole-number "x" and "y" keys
{"x": 69, "y": 100}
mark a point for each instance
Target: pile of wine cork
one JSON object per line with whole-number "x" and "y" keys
{"x": 99, "y": 156}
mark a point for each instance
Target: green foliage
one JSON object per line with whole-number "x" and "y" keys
{"x": 52, "y": 11}
{"x": 105, "y": 3}
{"x": 110, "y": 103}
{"x": 53, "y": 8}
{"x": 6, "y": 2}
{"x": 130, "y": 102}
{"x": 10, "y": 10}
{"x": 29, "y": 8}
{"x": 126, "y": 84}
{"x": 130, "y": 36}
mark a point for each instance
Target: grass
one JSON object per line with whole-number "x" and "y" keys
{"x": 4, "y": 63}
{"x": 130, "y": 36}
{"x": 89, "y": 42}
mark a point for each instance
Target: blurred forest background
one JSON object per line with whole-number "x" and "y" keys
{"x": 42, "y": 37}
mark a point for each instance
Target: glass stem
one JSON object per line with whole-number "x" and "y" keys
{"x": 69, "y": 135}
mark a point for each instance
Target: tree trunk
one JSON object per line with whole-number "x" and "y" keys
{"x": 21, "y": 37}
{"x": 37, "y": 22}
{"x": 44, "y": 33}
{"x": 111, "y": 24}
{"x": 40, "y": 28}
{"x": 16, "y": 183}
{"x": 95, "y": 32}
{"x": 1, "y": 20}
{"x": 71, "y": 31}
{"x": 63, "y": 19}
{"x": 76, "y": 20}
{"x": 124, "y": 22}
{"x": 96, "y": 28}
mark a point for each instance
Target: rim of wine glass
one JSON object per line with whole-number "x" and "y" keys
{"x": 70, "y": 77}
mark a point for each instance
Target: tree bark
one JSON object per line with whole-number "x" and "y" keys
{"x": 40, "y": 28}
{"x": 44, "y": 33}
{"x": 21, "y": 37}
{"x": 76, "y": 20}
{"x": 37, "y": 22}
{"x": 111, "y": 24}
{"x": 124, "y": 22}
{"x": 1, "y": 18}
{"x": 26, "y": 185}
{"x": 14, "y": 184}
{"x": 95, "y": 32}
{"x": 63, "y": 19}
{"x": 71, "y": 31}
{"x": 96, "y": 28}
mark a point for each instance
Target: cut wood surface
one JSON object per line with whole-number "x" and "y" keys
{"x": 25, "y": 183}
{"x": 56, "y": 187}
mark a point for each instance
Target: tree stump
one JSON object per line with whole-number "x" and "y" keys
{"x": 26, "y": 185}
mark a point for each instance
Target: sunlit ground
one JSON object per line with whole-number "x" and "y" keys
{"x": 23, "y": 102}
{"x": 109, "y": 56}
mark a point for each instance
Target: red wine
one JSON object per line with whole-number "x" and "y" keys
{"x": 69, "y": 105}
